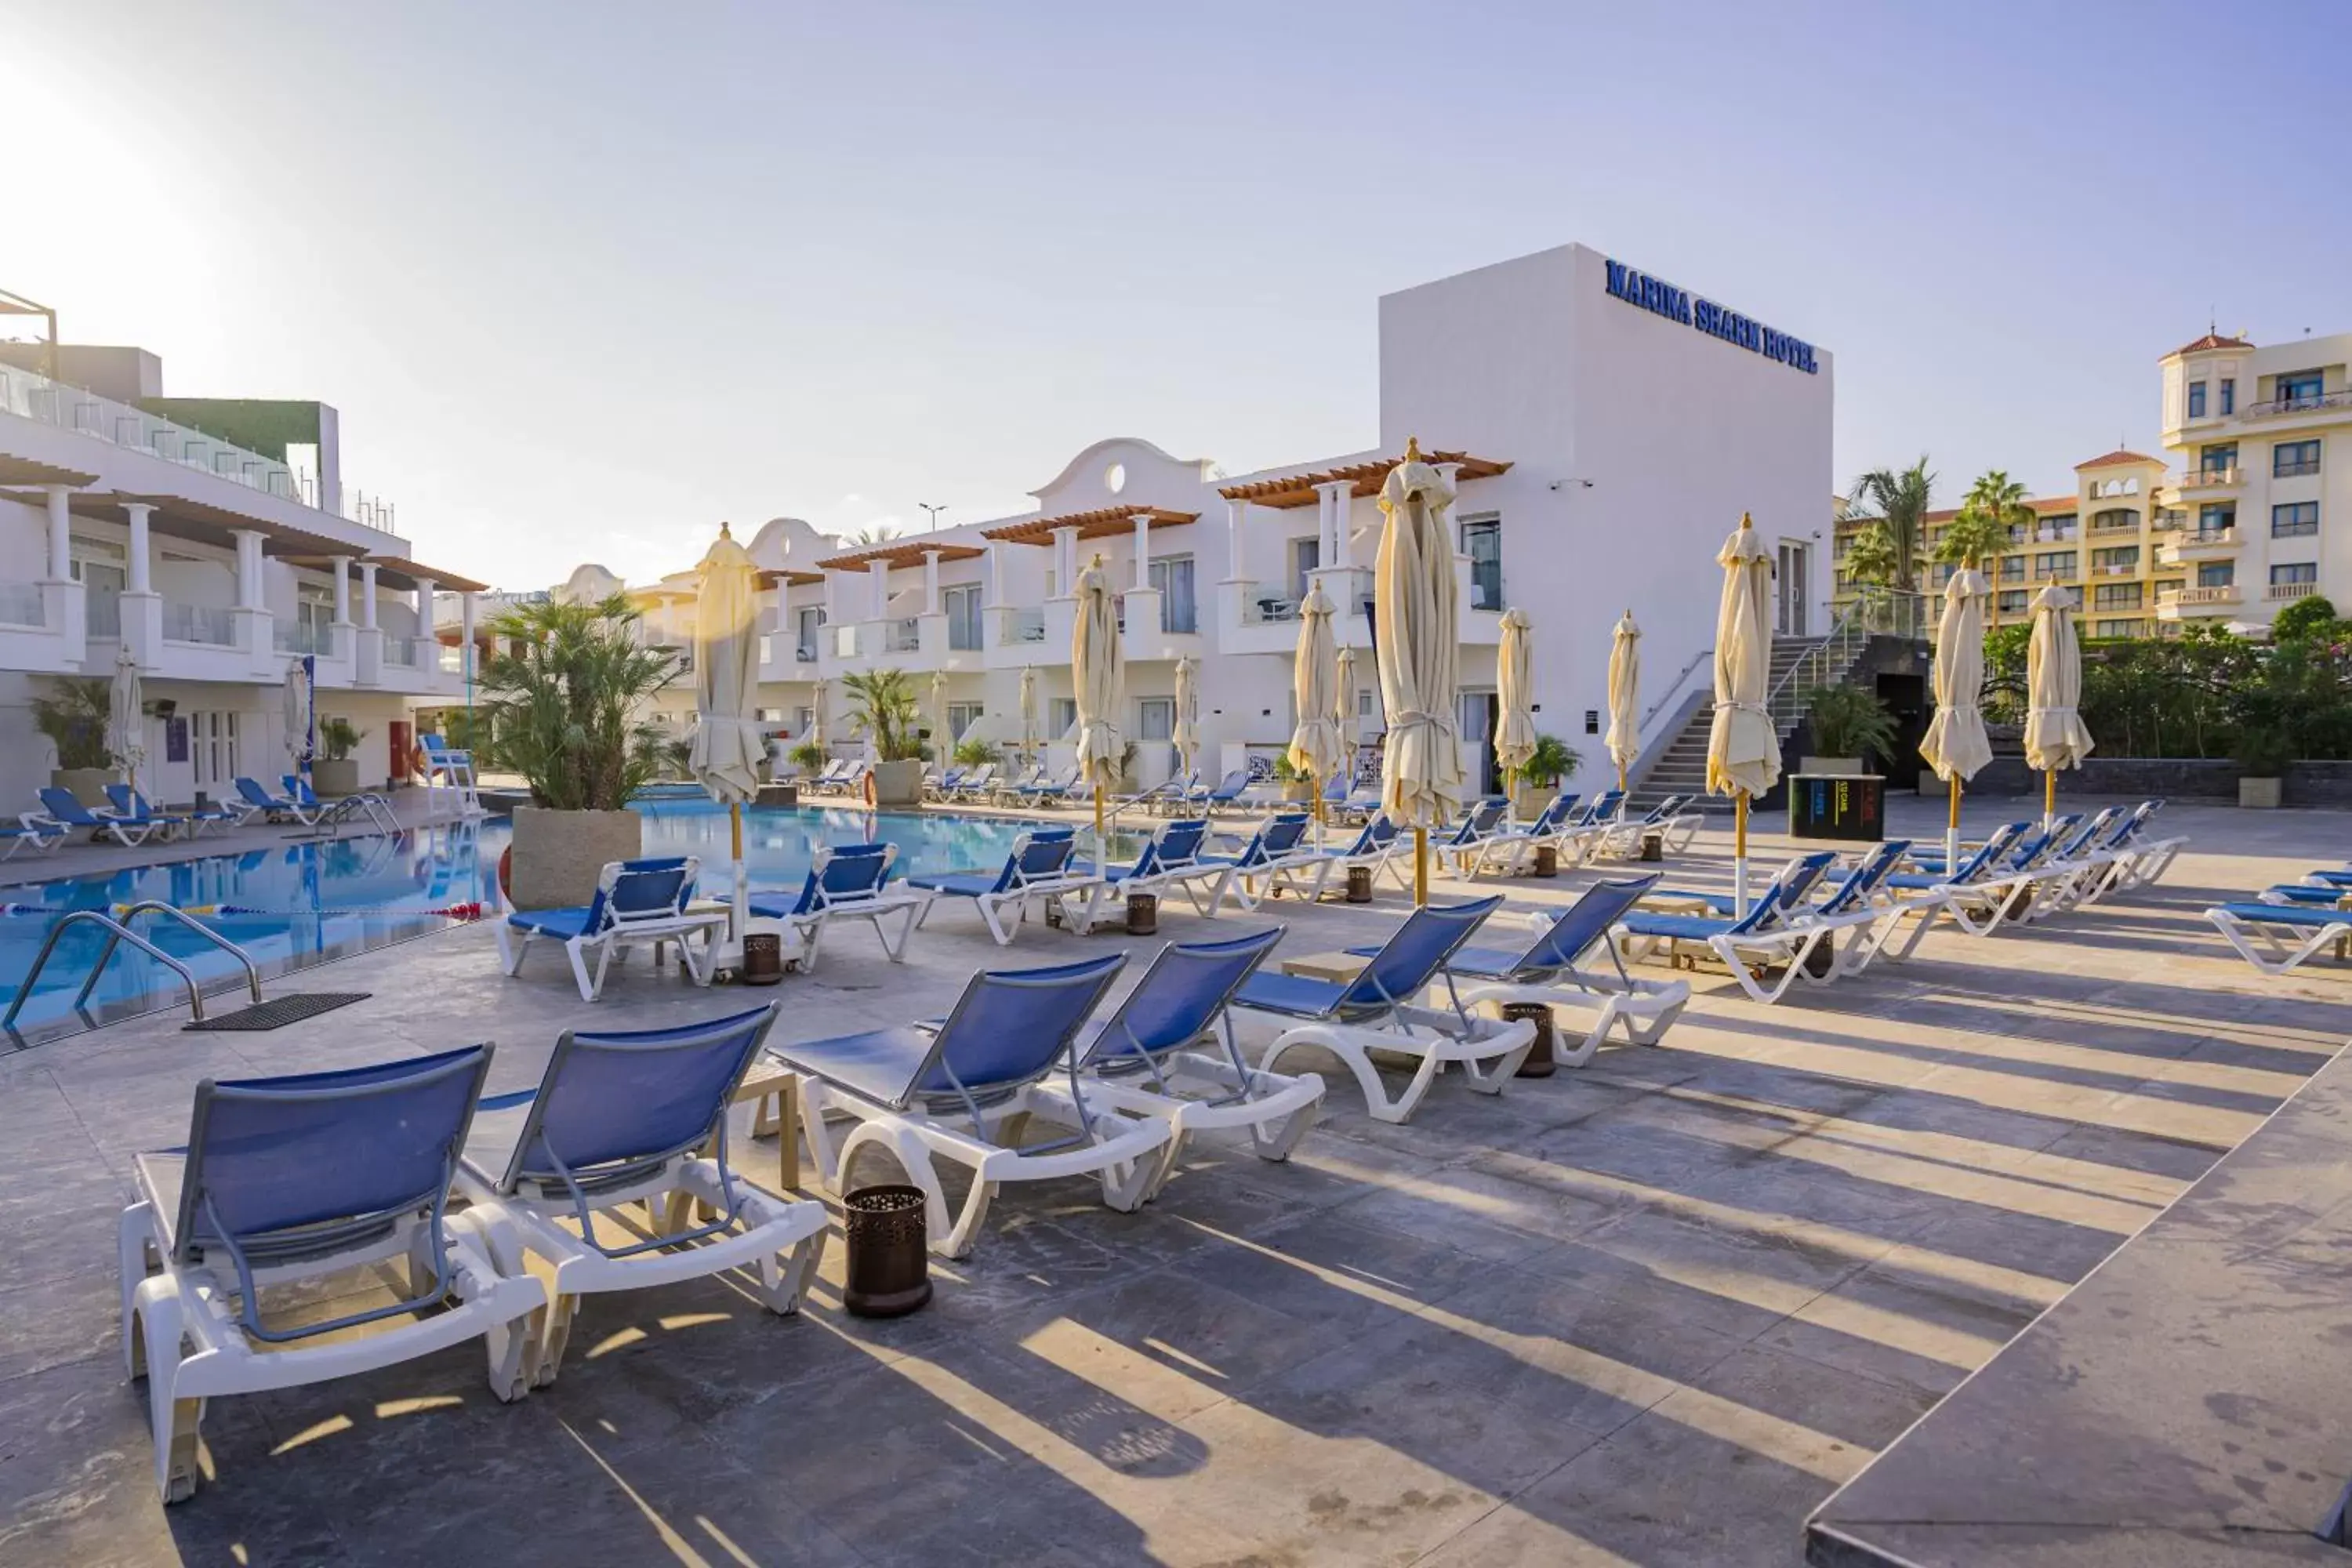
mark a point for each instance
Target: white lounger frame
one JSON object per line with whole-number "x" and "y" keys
{"x": 2267, "y": 949}
{"x": 1492, "y": 1052}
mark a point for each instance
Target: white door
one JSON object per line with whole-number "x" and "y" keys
{"x": 1792, "y": 577}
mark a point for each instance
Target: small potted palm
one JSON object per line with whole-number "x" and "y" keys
{"x": 1849, "y": 726}
{"x": 1296, "y": 787}
{"x": 2264, "y": 753}
{"x": 335, "y": 773}
{"x": 73, "y": 718}
{"x": 1537, "y": 779}
{"x": 808, "y": 757}
{"x": 975, "y": 752}
{"x": 562, "y": 703}
{"x": 883, "y": 708}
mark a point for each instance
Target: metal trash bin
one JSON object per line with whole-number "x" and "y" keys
{"x": 763, "y": 958}
{"x": 1547, "y": 860}
{"x": 1142, "y": 914}
{"x": 1654, "y": 846}
{"x": 1539, "y": 1062}
{"x": 1359, "y": 884}
{"x": 890, "y": 1267}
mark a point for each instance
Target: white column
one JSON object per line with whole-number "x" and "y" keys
{"x": 1343, "y": 549}
{"x": 1066, "y": 552}
{"x": 248, "y": 568}
{"x": 1333, "y": 550}
{"x": 60, "y": 534}
{"x": 367, "y": 595}
{"x": 930, "y": 582}
{"x": 1143, "y": 549}
{"x": 465, "y": 653}
{"x": 997, "y": 549}
{"x": 138, "y": 576}
{"x": 425, "y": 606}
{"x": 878, "y": 574}
{"x": 1236, "y": 517}
{"x": 831, "y": 614}
{"x": 339, "y": 567}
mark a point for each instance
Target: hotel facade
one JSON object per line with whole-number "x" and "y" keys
{"x": 1604, "y": 430}
{"x": 2237, "y": 519}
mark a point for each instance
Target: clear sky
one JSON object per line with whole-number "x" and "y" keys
{"x": 584, "y": 279}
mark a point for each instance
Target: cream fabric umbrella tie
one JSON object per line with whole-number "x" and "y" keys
{"x": 126, "y": 720}
{"x": 1743, "y": 748}
{"x": 1515, "y": 676}
{"x": 1314, "y": 678}
{"x": 1186, "y": 736}
{"x": 1098, "y": 674}
{"x": 1955, "y": 744}
{"x": 1624, "y": 738}
{"x": 724, "y": 756}
{"x": 1417, "y": 643}
{"x": 2055, "y": 736}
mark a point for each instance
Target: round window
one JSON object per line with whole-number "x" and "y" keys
{"x": 1115, "y": 478}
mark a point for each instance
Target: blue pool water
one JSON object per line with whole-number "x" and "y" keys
{"x": 296, "y": 904}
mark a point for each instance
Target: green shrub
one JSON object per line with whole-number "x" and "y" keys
{"x": 338, "y": 738}
{"x": 1552, "y": 761}
{"x": 74, "y": 719}
{"x": 562, "y": 697}
{"x": 1848, "y": 721}
{"x": 2306, "y": 617}
{"x": 975, "y": 752}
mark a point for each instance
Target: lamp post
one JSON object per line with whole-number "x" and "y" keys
{"x": 934, "y": 513}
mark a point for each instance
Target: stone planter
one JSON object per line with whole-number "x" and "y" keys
{"x": 1527, "y": 800}
{"x": 332, "y": 780}
{"x": 898, "y": 784}
{"x": 558, "y": 854}
{"x": 86, "y": 785}
{"x": 1297, "y": 792}
{"x": 1833, "y": 767}
{"x": 2260, "y": 795}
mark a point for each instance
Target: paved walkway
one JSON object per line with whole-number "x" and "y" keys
{"x": 1652, "y": 1311}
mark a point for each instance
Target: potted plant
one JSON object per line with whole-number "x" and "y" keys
{"x": 808, "y": 757}
{"x": 1848, "y": 726}
{"x": 74, "y": 719}
{"x": 1538, "y": 778}
{"x": 975, "y": 752}
{"x": 1296, "y": 787}
{"x": 334, "y": 772}
{"x": 2264, "y": 753}
{"x": 563, "y": 700}
{"x": 883, "y": 708}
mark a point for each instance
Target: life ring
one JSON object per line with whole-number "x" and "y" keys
{"x": 506, "y": 873}
{"x": 872, "y": 798}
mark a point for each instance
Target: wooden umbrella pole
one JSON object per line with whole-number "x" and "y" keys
{"x": 2049, "y": 798}
{"x": 1102, "y": 847}
{"x": 1952, "y": 827}
{"x": 1420, "y": 867}
{"x": 1621, "y": 778}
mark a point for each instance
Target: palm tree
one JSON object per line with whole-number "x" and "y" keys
{"x": 1872, "y": 565}
{"x": 865, "y": 538}
{"x": 882, "y": 705}
{"x": 1900, "y": 499}
{"x": 1993, "y": 512}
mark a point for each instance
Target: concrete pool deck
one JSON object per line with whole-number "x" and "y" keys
{"x": 1651, "y": 1311}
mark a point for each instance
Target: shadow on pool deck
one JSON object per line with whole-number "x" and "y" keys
{"x": 1655, "y": 1308}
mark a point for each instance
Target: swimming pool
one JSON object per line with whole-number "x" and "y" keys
{"x": 298, "y": 904}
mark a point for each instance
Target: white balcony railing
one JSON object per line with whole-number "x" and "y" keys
{"x": 102, "y": 615}
{"x": 2219, "y": 594}
{"x": 904, "y": 636}
{"x": 301, "y": 638}
{"x": 31, "y": 395}
{"x": 2212, "y": 479}
{"x": 2299, "y": 404}
{"x": 403, "y": 651}
{"x": 1017, "y": 627}
{"x": 21, "y": 605}
{"x": 199, "y": 624}
{"x": 2291, "y": 591}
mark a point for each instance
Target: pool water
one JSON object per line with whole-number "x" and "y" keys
{"x": 303, "y": 903}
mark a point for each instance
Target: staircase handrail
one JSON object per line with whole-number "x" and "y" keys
{"x": 1836, "y": 652}
{"x": 1674, "y": 690}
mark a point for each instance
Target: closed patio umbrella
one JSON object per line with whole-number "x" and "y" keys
{"x": 943, "y": 742}
{"x": 1955, "y": 744}
{"x": 1743, "y": 749}
{"x": 1098, "y": 671}
{"x": 724, "y": 756}
{"x": 1416, "y": 609}
{"x": 1624, "y": 738}
{"x": 1186, "y": 736}
{"x": 1515, "y": 675}
{"x": 817, "y": 695}
{"x": 126, "y": 725}
{"x": 2054, "y": 734}
{"x": 300, "y": 723}
{"x": 1314, "y": 678}
{"x": 1028, "y": 705}
{"x": 1343, "y": 710}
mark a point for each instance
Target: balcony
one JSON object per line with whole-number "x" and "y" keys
{"x": 903, "y": 635}
{"x": 2197, "y": 601}
{"x": 296, "y": 638}
{"x": 2324, "y": 403}
{"x": 23, "y": 605}
{"x": 202, "y": 623}
{"x": 2117, "y": 568}
{"x": 2280, "y": 591}
{"x": 2053, "y": 535}
{"x": 2213, "y": 479}
{"x": 406, "y": 653}
{"x": 2198, "y": 544}
{"x": 1020, "y": 628}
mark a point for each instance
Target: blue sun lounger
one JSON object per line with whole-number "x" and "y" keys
{"x": 2277, "y": 938}
{"x": 1279, "y": 855}
{"x": 1039, "y": 866}
{"x": 846, "y": 882}
{"x": 637, "y": 901}
{"x": 58, "y": 805}
{"x": 1171, "y": 859}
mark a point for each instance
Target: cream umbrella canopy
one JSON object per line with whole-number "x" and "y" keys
{"x": 1186, "y": 736}
{"x": 1515, "y": 678}
{"x": 1624, "y": 738}
{"x": 1416, "y": 609}
{"x": 1955, "y": 744}
{"x": 1743, "y": 749}
{"x": 1314, "y": 680}
{"x": 126, "y": 721}
{"x": 1098, "y": 674}
{"x": 1343, "y": 709}
{"x": 724, "y": 753}
{"x": 1028, "y": 706}
{"x": 817, "y": 694}
{"x": 941, "y": 740}
{"x": 2054, "y": 735}
{"x": 300, "y": 745}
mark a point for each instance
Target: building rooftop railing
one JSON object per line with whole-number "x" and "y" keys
{"x": 2277, "y": 405}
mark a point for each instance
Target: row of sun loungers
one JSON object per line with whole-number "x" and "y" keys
{"x": 131, "y": 819}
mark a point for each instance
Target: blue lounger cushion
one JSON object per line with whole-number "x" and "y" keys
{"x": 877, "y": 1064}
{"x": 1293, "y": 993}
{"x": 1689, "y": 927}
{"x": 2289, "y": 914}
{"x": 968, "y": 883}
{"x": 561, "y": 924}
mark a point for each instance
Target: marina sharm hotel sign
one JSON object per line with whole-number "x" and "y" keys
{"x": 1655, "y": 294}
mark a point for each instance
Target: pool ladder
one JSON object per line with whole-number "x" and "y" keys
{"x": 118, "y": 932}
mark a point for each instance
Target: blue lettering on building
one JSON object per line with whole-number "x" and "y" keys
{"x": 1656, "y": 295}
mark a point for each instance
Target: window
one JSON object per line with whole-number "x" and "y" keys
{"x": 2218, "y": 519}
{"x": 2116, "y": 596}
{"x": 2012, "y": 602}
{"x": 2058, "y": 522}
{"x": 2299, "y": 389}
{"x": 1482, "y": 541}
{"x": 2115, "y": 521}
{"x": 1062, "y": 716}
{"x": 2013, "y": 568}
{"x": 1158, "y": 716}
{"x": 2197, "y": 400}
{"x": 1173, "y": 578}
{"x": 1941, "y": 573}
{"x": 2117, "y": 629}
{"x": 2217, "y": 574}
{"x": 2219, "y": 460}
{"x": 2054, "y": 564}
{"x": 2295, "y": 520}
{"x": 2294, "y": 571}
{"x": 961, "y": 716}
{"x": 1305, "y": 554}
{"x": 806, "y": 622}
{"x": 2290, "y": 458}
{"x": 2122, "y": 558}
{"x": 2229, "y": 397}
{"x": 962, "y": 607}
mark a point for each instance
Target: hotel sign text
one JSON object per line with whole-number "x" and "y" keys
{"x": 1656, "y": 295}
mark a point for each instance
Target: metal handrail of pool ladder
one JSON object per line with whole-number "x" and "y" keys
{"x": 157, "y": 906}
{"x": 116, "y": 933}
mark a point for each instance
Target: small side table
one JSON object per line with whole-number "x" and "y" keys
{"x": 1339, "y": 968}
{"x": 775, "y": 1093}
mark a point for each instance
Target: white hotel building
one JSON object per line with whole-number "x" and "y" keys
{"x": 130, "y": 519}
{"x": 1602, "y": 444}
